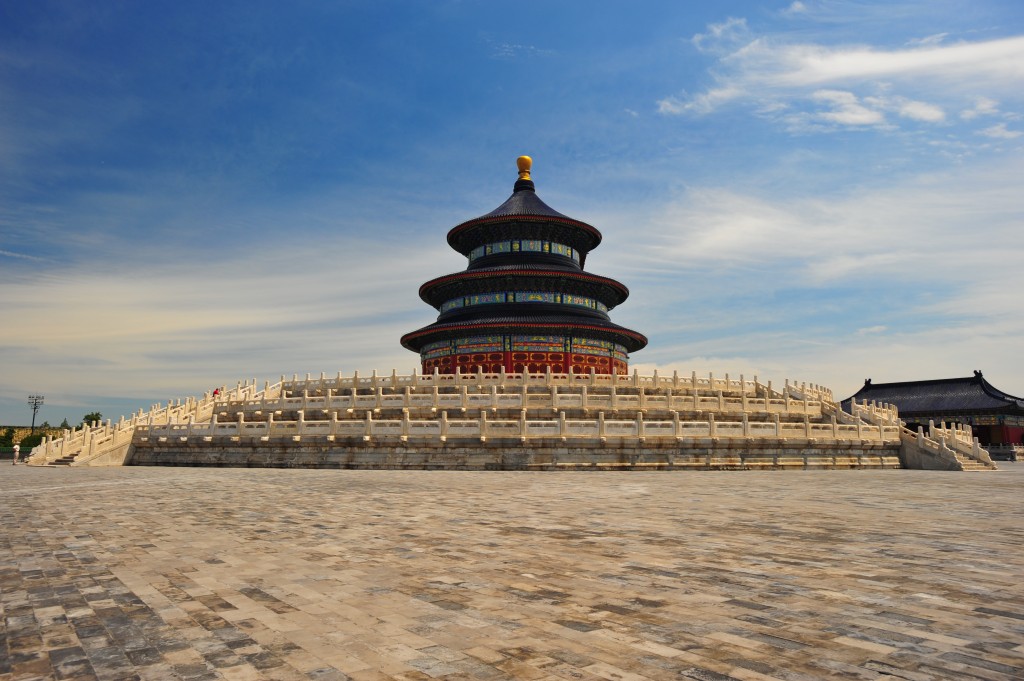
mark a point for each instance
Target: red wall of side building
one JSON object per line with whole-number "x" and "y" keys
{"x": 1008, "y": 435}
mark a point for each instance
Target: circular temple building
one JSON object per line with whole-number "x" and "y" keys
{"x": 524, "y": 303}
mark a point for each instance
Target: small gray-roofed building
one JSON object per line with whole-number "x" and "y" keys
{"x": 996, "y": 417}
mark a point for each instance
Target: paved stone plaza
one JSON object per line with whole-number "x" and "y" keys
{"x": 187, "y": 573}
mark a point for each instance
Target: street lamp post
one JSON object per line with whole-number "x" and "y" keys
{"x": 35, "y": 401}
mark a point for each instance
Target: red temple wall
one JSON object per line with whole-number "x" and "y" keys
{"x": 530, "y": 362}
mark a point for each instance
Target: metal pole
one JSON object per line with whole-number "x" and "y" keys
{"x": 35, "y": 401}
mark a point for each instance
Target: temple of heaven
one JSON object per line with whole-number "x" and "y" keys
{"x": 524, "y": 303}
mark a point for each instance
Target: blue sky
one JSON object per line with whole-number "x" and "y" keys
{"x": 196, "y": 194}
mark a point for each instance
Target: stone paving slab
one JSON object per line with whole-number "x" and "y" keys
{"x": 246, "y": 574}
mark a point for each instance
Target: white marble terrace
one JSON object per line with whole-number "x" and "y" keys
{"x": 533, "y": 409}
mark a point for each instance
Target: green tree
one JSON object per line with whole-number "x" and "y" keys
{"x": 92, "y": 417}
{"x": 7, "y": 439}
{"x": 65, "y": 424}
{"x": 30, "y": 441}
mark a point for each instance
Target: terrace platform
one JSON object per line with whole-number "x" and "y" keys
{"x": 211, "y": 573}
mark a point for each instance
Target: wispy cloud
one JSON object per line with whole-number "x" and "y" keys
{"x": 796, "y": 7}
{"x": 508, "y": 51}
{"x": 722, "y": 37}
{"x": 854, "y": 234}
{"x": 860, "y": 83}
{"x": 282, "y": 307}
{"x": 999, "y": 131}
{"x": 846, "y": 109}
{"x": 902, "y": 282}
{"x": 983, "y": 106}
{"x": 21, "y": 256}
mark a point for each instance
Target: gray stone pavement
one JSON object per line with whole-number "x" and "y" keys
{"x": 185, "y": 573}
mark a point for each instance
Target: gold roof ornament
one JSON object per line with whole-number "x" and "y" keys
{"x": 524, "y": 163}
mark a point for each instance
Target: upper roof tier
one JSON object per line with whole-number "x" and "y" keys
{"x": 523, "y": 216}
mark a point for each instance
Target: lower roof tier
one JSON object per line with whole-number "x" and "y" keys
{"x": 538, "y": 325}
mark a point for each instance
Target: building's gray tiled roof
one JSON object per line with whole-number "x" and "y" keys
{"x": 539, "y": 323}
{"x": 946, "y": 395}
{"x": 523, "y": 203}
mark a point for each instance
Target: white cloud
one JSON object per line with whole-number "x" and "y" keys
{"x": 796, "y": 7}
{"x": 21, "y": 256}
{"x": 168, "y": 328}
{"x": 928, "y": 40}
{"x": 921, "y": 111}
{"x": 846, "y": 110}
{"x": 510, "y": 51}
{"x": 933, "y": 228}
{"x": 999, "y": 131}
{"x": 998, "y": 61}
{"x": 898, "y": 282}
{"x": 919, "y": 83}
{"x": 983, "y": 106}
{"x": 721, "y": 36}
{"x": 702, "y": 103}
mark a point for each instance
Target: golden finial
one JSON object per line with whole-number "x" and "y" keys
{"x": 524, "y": 163}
